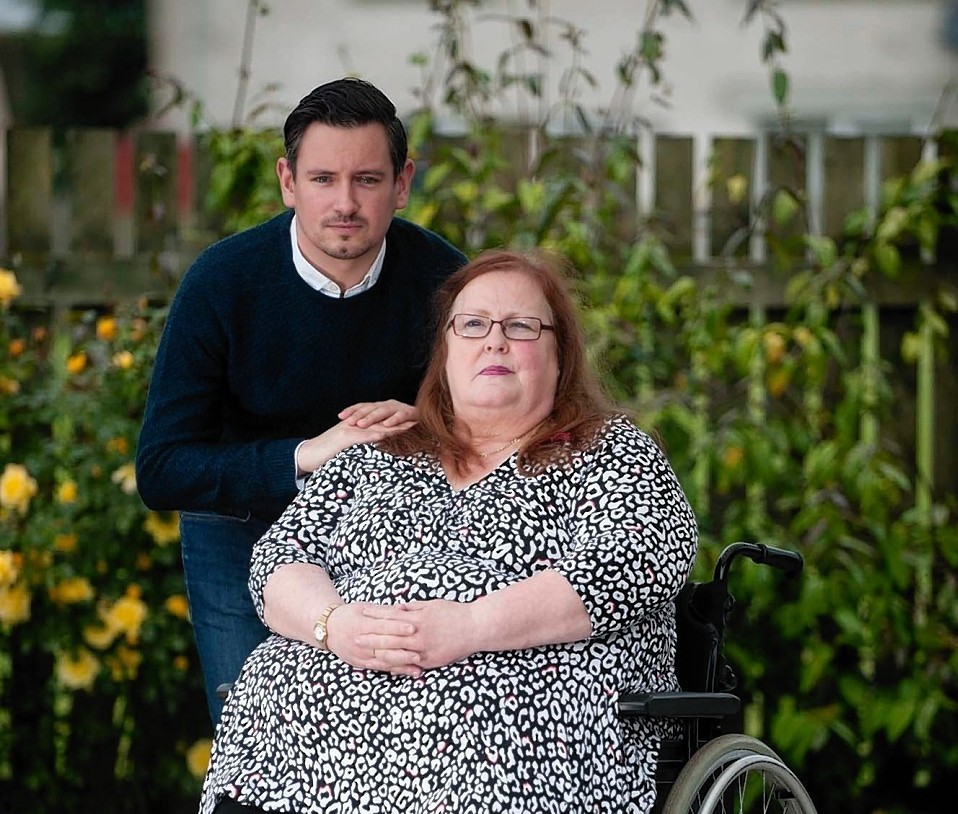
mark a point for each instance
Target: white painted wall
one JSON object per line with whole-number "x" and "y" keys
{"x": 853, "y": 64}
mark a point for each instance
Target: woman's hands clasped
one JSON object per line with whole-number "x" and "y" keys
{"x": 403, "y": 639}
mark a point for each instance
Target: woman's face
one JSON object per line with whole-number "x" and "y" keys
{"x": 495, "y": 380}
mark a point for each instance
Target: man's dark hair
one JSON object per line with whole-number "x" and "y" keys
{"x": 346, "y": 102}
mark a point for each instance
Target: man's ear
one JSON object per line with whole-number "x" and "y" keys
{"x": 287, "y": 182}
{"x": 404, "y": 183}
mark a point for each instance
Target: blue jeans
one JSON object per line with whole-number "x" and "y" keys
{"x": 216, "y": 554}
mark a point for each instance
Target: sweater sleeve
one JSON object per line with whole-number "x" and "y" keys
{"x": 634, "y": 535}
{"x": 182, "y": 461}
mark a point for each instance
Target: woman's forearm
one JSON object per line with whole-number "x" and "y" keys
{"x": 294, "y": 597}
{"x": 543, "y": 609}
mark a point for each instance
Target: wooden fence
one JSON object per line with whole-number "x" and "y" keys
{"x": 95, "y": 216}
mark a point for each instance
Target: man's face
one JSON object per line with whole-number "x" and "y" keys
{"x": 345, "y": 196}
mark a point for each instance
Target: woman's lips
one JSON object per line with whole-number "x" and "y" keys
{"x": 495, "y": 370}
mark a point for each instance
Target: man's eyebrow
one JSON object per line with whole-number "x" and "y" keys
{"x": 321, "y": 171}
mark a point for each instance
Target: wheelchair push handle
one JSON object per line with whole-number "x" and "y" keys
{"x": 790, "y": 562}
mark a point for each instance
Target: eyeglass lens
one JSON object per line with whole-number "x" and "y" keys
{"x": 475, "y": 327}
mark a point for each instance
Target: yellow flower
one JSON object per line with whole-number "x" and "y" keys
{"x": 124, "y": 663}
{"x": 163, "y": 528}
{"x": 733, "y": 457}
{"x": 16, "y": 347}
{"x": 198, "y": 757}
{"x": 181, "y": 663}
{"x": 123, "y": 360}
{"x": 9, "y": 287}
{"x": 106, "y": 328}
{"x": 67, "y": 492}
{"x": 9, "y": 387}
{"x": 119, "y": 445}
{"x": 71, "y": 590}
{"x": 10, "y": 562}
{"x": 125, "y": 478}
{"x": 16, "y": 488}
{"x": 77, "y": 672}
{"x": 14, "y": 604}
{"x": 176, "y": 605}
{"x": 143, "y": 561}
{"x": 736, "y": 187}
{"x": 65, "y": 543}
{"x": 77, "y": 362}
{"x": 100, "y": 637}
{"x": 126, "y": 616}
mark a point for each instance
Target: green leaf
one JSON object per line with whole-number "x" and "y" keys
{"x": 784, "y": 207}
{"x": 780, "y": 86}
{"x": 888, "y": 259}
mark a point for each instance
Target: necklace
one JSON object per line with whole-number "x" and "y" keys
{"x": 503, "y": 448}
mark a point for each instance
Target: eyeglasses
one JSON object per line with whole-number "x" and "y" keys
{"x": 523, "y": 329}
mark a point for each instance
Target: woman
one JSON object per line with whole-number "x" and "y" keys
{"x": 458, "y": 607}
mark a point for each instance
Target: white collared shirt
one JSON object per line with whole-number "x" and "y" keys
{"x": 316, "y": 279}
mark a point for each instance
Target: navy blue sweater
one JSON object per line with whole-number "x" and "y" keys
{"x": 253, "y": 361}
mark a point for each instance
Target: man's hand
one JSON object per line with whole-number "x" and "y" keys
{"x": 364, "y": 423}
{"x": 387, "y": 414}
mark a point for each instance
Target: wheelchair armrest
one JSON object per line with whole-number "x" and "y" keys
{"x": 679, "y": 705}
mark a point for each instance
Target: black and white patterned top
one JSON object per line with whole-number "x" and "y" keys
{"x": 530, "y": 730}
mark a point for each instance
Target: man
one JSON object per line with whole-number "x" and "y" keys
{"x": 285, "y": 344}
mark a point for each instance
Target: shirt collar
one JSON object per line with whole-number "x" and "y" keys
{"x": 316, "y": 279}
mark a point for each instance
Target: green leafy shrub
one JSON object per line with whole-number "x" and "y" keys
{"x": 101, "y": 706}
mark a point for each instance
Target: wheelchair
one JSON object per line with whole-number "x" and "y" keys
{"x": 712, "y": 769}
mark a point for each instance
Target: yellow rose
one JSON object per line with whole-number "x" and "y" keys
{"x": 100, "y": 636}
{"x": 9, "y": 567}
{"x": 16, "y": 488}
{"x": 65, "y": 543}
{"x": 119, "y": 445}
{"x": 9, "y": 387}
{"x": 9, "y": 287}
{"x": 198, "y": 757}
{"x": 181, "y": 663}
{"x": 125, "y": 478}
{"x": 77, "y": 672}
{"x": 106, "y": 328}
{"x": 733, "y": 457}
{"x": 124, "y": 663}
{"x": 77, "y": 362}
{"x": 67, "y": 492}
{"x": 71, "y": 590}
{"x": 14, "y": 604}
{"x": 127, "y": 616}
{"x": 163, "y": 528}
{"x": 16, "y": 347}
{"x": 123, "y": 360}
{"x": 176, "y": 605}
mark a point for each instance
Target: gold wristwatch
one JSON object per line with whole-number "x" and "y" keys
{"x": 319, "y": 629}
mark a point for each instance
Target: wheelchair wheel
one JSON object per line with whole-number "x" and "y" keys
{"x": 737, "y": 773}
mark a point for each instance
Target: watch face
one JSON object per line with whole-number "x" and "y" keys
{"x": 319, "y": 631}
